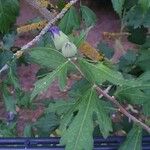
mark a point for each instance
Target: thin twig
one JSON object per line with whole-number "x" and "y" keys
{"x": 106, "y": 90}
{"x": 122, "y": 109}
{"x": 44, "y": 30}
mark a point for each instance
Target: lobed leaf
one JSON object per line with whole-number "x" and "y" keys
{"x": 9, "y": 10}
{"x": 133, "y": 140}
{"x": 79, "y": 134}
{"x": 45, "y": 82}
{"x": 145, "y": 4}
{"x": 69, "y": 21}
{"x": 118, "y": 6}
{"x": 59, "y": 107}
{"x": 99, "y": 73}
{"x": 47, "y": 57}
{"x": 88, "y": 16}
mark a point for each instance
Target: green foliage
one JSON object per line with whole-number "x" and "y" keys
{"x": 105, "y": 49}
{"x": 27, "y": 131}
{"x": 88, "y": 16}
{"x": 118, "y": 6}
{"x": 7, "y": 130}
{"x": 138, "y": 35}
{"x": 81, "y": 128}
{"x": 84, "y": 113}
{"x": 46, "y": 124}
{"x": 93, "y": 71}
{"x": 128, "y": 61}
{"x": 60, "y": 106}
{"x": 10, "y": 102}
{"x": 5, "y": 57}
{"x": 45, "y": 82}
{"x": 23, "y": 99}
{"x": 47, "y": 57}
{"x": 136, "y": 17}
{"x": 66, "y": 25}
{"x": 145, "y": 4}
{"x": 144, "y": 59}
{"x": 9, "y": 9}
{"x": 133, "y": 141}
{"x": 9, "y": 40}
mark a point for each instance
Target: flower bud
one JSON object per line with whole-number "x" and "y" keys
{"x": 69, "y": 50}
{"x": 59, "y": 38}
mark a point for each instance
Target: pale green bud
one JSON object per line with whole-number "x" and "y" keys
{"x": 69, "y": 50}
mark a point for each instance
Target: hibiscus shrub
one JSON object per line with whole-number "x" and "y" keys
{"x": 110, "y": 92}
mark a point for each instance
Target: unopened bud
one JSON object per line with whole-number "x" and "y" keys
{"x": 69, "y": 50}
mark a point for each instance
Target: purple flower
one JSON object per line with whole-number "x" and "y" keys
{"x": 54, "y": 30}
{"x": 59, "y": 38}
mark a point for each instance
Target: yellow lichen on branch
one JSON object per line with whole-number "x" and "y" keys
{"x": 30, "y": 27}
{"x": 43, "y": 3}
{"x": 67, "y": 6}
{"x": 90, "y": 52}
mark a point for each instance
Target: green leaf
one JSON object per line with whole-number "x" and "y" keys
{"x": 69, "y": 21}
{"x": 146, "y": 22}
{"x": 10, "y": 102}
{"x": 46, "y": 124}
{"x": 62, "y": 78}
{"x": 127, "y": 61}
{"x": 138, "y": 94}
{"x": 145, "y": 4}
{"x": 129, "y": 4}
{"x": 9, "y": 40}
{"x": 61, "y": 4}
{"x": 138, "y": 35}
{"x": 79, "y": 134}
{"x": 146, "y": 45}
{"x": 144, "y": 60}
{"x": 23, "y": 99}
{"x": 28, "y": 131}
{"x": 145, "y": 108}
{"x": 133, "y": 140}
{"x": 45, "y": 82}
{"x": 59, "y": 107}
{"x": 118, "y": 6}
{"x": 45, "y": 40}
{"x": 47, "y": 57}
{"x": 104, "y": 120}
{"x": 105, "y": 49}
{"x": 99, "y": 73}
{"x": 144, "y": 78}
{"x": 5, "y": 57}
{"x": 79, "y": 88}
{"x": 7, "y": 130}
{"x": 88, "y": 16}
{"x": 13, "y": 78}
{"x": 141, "y": 86}
{"x": 135, "y": 96}
{"x": 137, "y": 17}
{"x": 9, "y": 10}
